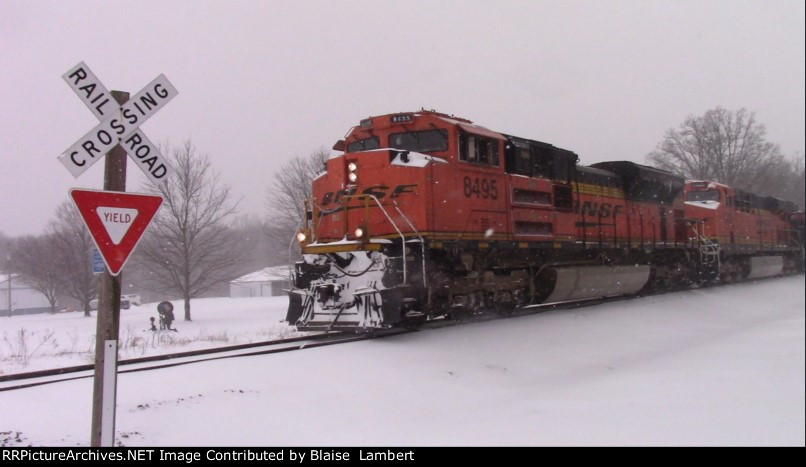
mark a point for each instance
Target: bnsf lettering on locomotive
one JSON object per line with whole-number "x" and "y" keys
{"x": 378, "y": 191}
{"x": 596, "y": 210}
{"x": 348, "y": 192}
{"x": 480, "y": 188}
{"x": 401, "y": 189}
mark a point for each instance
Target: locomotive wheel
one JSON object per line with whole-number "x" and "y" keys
{"x": 505, "y": 308}
{"x": 412, "y": 324}
{"x": 460, "y": 313}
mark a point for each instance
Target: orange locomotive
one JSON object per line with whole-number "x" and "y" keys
{"x": 754, "y": 236}
{"x": 428, "y": 215}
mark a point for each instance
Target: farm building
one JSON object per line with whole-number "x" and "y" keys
{"x": 267, "y": 282}
{"x": 24, "y": 299}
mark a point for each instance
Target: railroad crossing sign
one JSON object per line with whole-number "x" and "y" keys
{"x": 119, "y": 124}
{"x": 116, "y": 221}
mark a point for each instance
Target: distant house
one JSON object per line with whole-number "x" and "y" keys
{"x": 267, "y": 282}
{"x": 24, "y": 299}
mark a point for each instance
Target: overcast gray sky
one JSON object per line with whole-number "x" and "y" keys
{"x": 262, "y": 81}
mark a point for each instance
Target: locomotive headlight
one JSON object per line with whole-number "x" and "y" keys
{"x": 359, "y": 233}
{"x": 352, "y": 168}
{"x": 301, "y": 237}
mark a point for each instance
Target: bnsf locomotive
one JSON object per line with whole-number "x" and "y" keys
{"x": 427, "y": 215}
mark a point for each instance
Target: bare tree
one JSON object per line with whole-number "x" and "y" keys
{"x": 256, "y": 246}
{"x": 788, "y": 181}
{"x": 291, "y": 186}
{"x": 728, "y": 147}
{"x": 188, "y": 248}
{"x": 36, "y": 259}
{"x": 74, "y": 245}
{"x": 5, "y": 251}
{"x": 794, "y": 189}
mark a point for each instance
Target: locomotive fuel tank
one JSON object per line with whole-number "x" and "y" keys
{"x": 590, "y": 282}
{"x": 765, "y": 266}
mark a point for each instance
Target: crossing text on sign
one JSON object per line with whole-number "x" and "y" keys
{"x": 119, "y": 124}
{"x": 110, "y": 132}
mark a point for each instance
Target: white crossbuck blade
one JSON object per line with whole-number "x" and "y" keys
{"x": 119, "y": 124}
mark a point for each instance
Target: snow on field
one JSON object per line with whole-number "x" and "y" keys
{"x": 36, "y": 342}
{"x": 715, "y": 366}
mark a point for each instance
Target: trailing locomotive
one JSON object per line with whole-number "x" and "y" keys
{"x": 427, "y": 215}
{"x": 754, "y": 236}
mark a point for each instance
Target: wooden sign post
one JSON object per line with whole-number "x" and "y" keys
{"x": 116, "y": 135}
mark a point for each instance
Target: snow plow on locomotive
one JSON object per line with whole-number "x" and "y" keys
{"x": 427, "y": 215}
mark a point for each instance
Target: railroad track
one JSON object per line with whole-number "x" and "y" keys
{"x": 37, "y": 378}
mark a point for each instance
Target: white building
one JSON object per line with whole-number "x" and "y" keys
{"x": 267, "y": 282}
{"x": 24, "y": 299}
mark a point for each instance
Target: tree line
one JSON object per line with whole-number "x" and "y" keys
{"x": 197, "y": 242}
{"x": 194, "y": 244}
{"x": 731, "y": 147}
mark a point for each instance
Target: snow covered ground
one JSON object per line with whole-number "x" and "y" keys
{"x": 714, "y": 366}
{"x": 37, "y": 342}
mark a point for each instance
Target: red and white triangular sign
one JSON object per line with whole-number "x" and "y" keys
{"x": 116, "y": 221}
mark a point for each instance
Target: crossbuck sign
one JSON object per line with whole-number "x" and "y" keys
{"x": 119, "y": 124}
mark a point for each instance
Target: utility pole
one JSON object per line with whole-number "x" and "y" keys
{"x": 108, "y": 320}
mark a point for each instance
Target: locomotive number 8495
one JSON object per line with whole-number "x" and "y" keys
{"x": 426, "y": 215}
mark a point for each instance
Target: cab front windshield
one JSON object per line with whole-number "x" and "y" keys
{"x": 710, "y": 195}
{"x": 420, "y": 141}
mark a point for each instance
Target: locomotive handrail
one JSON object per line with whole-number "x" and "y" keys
{"x": 709, "y": 250}
{"x": 364, "y": 197}
{"x": 422, "y": 241}
{"x": 317, "y": 214}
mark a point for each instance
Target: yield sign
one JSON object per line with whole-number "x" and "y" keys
{"x": 116, "y": 221}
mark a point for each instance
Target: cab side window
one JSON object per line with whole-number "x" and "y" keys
{"x": 518, "y": 160}
{"x": 478, "y": 150}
